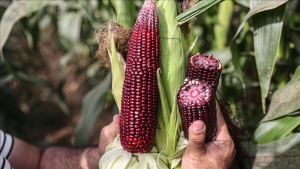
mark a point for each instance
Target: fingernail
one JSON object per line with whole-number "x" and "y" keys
{"x": 198, "y": 126}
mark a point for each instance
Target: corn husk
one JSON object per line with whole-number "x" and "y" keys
{"x": 116, "y": 157}
{"x": 169, "y": 143}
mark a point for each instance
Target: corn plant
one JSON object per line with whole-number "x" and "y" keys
{"x": 171, "y": 74}
{"x": 257, "y": 42}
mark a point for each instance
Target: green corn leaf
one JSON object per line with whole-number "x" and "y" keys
{"x": 267, "y": 32}
{"x": 64, "y": 60}
{"x": 245, "y": 3}
{"x": 275, "y": 129}
{"x": 236, "y": 62}
{"x": 256, "y": 9}
{"x": 278, "y": 147}
{"x": 69, "y": 27}
{"x": 279, "y": 154}
{"x": 295, "y": 113}
{"x": 221, "y": 28}
{"x": 263, "y": 6}
{"x": 4, "y": 80}
{"x": 89, "y": 10}
{"x": 16, "y": 11}
{"x": 286, "y": 100}
{"x": 93, "y": 104}
{"x": 196, "y": 10}
{"x": 25, "y": 77}
{"x": 224, "y": 55}
{"x": 31, "y": 79}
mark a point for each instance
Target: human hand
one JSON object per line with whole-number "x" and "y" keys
{"x": 108, "y": 134}
{"x": 216, "y": 154}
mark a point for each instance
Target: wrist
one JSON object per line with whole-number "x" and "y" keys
{"x": 90, "y": 158}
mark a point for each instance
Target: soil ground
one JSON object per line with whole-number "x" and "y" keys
{"x": 43, "y": 122}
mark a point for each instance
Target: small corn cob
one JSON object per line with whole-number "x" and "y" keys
{"x": 195, "y": 103}
{"x": 139, "y": 105}
{"x": 205, "y": 67}
{"x": 206, "y": 70}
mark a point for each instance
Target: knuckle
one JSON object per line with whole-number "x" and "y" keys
{"x": 198, "y": 139}
{"x": 105, "y": 131}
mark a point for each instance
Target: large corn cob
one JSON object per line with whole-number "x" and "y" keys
{"x": 139, "y": 106}
{"x": 199, "y": 92}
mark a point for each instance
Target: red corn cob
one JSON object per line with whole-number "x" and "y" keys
{"x": 195, "y": 103}
{"x": 139, "y": 104}
{"x": 205, "y": 67}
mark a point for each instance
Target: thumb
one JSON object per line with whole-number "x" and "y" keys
{"x": 114, "y": 126}
{"x": 196, "y": 146}
{"x": 108, "y": 134}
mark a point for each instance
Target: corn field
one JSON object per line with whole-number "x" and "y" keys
{"x": 59, "y": 74}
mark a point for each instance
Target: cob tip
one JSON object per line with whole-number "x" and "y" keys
{"x": 194, "y": 92}
{"x": 206, "y": 61}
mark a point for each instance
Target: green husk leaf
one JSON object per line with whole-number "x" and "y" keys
{"x": 175, "y": 128}
{"x": 116, "y": 157}
{"x": 180, "y": 148}
{"x": 163, "y": 117}
{"x": 192, "y": 45}
{"x": 118, "y": 74}
{"x": 120, "y": 157}
{"x": 173, "y": 65}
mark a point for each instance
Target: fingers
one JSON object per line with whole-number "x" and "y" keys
{"x": 110, "y": 131}
{"x": 222, "y": 130}
{"x": 108, "y": 134}
{"x": 196, "y": 146}
{"x": 116, "y": 119}
{"x": 115, "y": 128}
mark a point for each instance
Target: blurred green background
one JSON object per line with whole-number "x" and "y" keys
{"x": 54, "y": 91}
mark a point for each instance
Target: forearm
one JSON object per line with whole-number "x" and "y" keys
{"x": 24, "y": 155}
{"x": 69, "y": 158}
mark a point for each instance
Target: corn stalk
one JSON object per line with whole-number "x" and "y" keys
{"x": 169, "y": 143}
